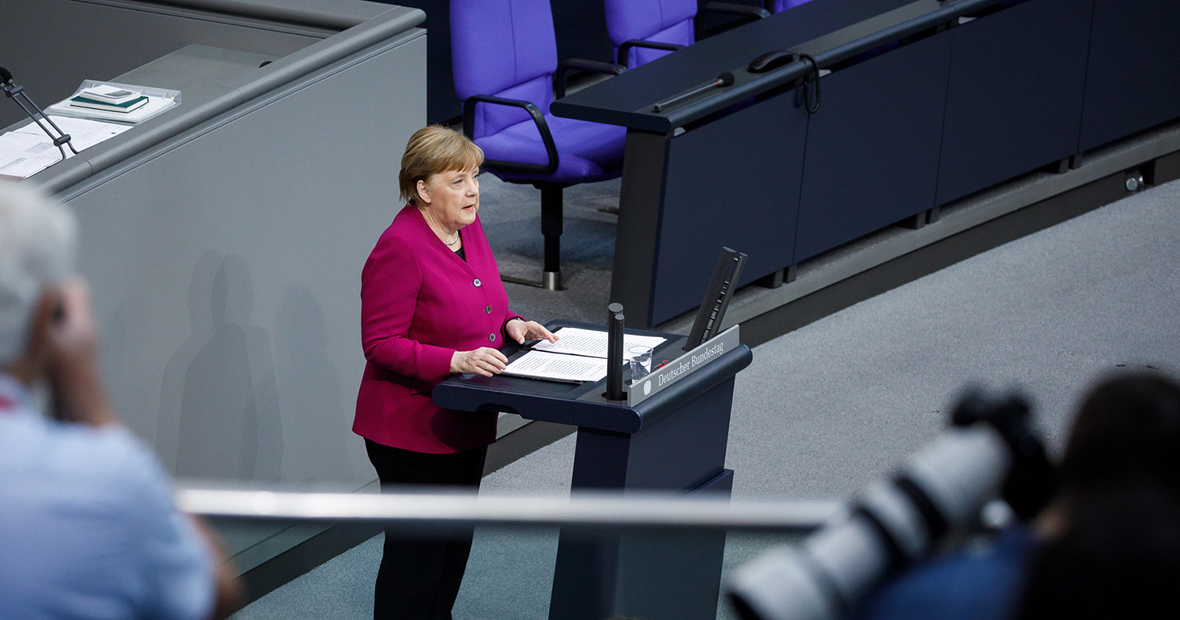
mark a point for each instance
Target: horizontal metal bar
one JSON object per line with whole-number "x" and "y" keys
{"x": 582, "y": 511}
{"x": 335, "y": 15}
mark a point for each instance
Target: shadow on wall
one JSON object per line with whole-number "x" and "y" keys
{"x": 315, "y": 423}
{"x": 219, "y": 404}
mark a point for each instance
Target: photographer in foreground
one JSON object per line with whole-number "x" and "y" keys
{"x": 88, "y": 526}
{"x": 1094, "y": 548}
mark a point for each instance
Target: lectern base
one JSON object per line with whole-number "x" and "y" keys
{"x": 642, "y": 574}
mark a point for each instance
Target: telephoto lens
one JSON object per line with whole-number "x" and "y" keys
{"x": 939, "y": 492}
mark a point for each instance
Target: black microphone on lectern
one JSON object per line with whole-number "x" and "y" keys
{"x": 614, "y": 352}
{"x": 17, "y": 94}
{"x": 723, "y": 80}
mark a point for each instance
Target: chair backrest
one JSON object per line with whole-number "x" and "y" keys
{"x": 782, "y": 5}
{"x": 667, "y": 21}
{"x": 504, "y": 48}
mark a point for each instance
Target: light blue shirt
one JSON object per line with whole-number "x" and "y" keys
{"x": 88, "y": 527}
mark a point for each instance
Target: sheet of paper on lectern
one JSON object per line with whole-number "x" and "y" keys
{"x": 557, "y": 367}
{"x": 590, "y": 342}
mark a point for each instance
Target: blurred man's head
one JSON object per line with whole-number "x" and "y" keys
{"x": 37, "y": 239}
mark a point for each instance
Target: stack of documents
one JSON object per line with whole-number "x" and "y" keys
{"x": 578, "y": 355}
{"x": 122, "y": 103}
{"x": 109, "y": 99}
{"x": 28, "y": 150}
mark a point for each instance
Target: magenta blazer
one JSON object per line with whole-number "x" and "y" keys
{"x": 420, "y": 303}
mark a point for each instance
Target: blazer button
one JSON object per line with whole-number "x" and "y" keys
{"x": 477, "y": 282}
{"x": 492, "y": 337}
{"x": 488, "y": 309}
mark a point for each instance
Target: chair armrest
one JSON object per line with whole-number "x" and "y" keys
{"x": 581, "y": 64}
{"x": 625, "y": 48}
{"x": 750, "y": 12}
{"x": 729, "y": 8}
{"x": 538, "y": 119}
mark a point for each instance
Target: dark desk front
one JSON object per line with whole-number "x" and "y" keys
{"x": 926, "y": 102}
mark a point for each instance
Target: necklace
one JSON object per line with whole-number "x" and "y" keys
{"x": 453, "y": 242}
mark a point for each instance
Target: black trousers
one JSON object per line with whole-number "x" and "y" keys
{"x": 419, "y": 577}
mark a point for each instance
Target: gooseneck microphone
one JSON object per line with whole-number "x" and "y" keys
{"x": 17, "y": 94}
{"x": 723, "y": 80}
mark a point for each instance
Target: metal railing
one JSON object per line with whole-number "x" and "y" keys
{"x": 421, "y": 510}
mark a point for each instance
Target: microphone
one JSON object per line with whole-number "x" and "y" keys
{"x": 614, "y": 352}
{"x": 723, "y": 80}
{"x": 18, "y": 94}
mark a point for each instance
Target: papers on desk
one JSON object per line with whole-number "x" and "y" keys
{"x": 83, "y": 133}
{"x": 591, "y": 343}
{"x": 578, "y": 355}
{"x": 557, "y": 367}
{"x": 28, "y": 150}
{"x": 16, "y": 166}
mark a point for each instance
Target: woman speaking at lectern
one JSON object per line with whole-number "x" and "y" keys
{"x": 432, "y": 305}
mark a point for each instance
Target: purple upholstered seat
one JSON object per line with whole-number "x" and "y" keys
{"x": 665, "y": 21}
{"x": 504, "y": 55}
{"x": 586, "y": 154}
{"x": 506, "y": 48}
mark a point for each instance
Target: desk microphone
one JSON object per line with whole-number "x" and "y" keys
{"x": 614, "y": 352}
{"x": 723, "y": 80}
{"x": 17, "y": 94}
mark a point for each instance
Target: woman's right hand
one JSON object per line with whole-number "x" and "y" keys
{"x": 484, "y": 361}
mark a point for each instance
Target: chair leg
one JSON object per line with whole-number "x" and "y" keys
{"x": 551, "y": 228}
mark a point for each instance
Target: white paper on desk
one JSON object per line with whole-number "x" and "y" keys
{"x": 16, "y": 165}
{"x": 28, "y": 144}
{"x": 591, "y": 342}
{"x": 84, "y": 133}
{"x": 557, "y": 367}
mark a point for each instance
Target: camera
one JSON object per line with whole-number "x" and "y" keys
{"x": 991, "y": 451}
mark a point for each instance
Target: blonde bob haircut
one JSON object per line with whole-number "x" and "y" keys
{"x": 434, "y": 150}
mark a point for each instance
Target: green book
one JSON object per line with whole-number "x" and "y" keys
{"x": 126, "y": 106}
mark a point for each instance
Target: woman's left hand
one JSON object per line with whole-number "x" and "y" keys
{"x": 520, "y": 331}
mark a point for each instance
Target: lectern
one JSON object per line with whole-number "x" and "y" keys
{"x": 670, "y": 435}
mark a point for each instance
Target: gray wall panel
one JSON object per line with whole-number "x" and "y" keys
{"x": 227, "y": 271}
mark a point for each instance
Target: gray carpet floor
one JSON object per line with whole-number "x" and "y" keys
{"x": 830, "y": 407}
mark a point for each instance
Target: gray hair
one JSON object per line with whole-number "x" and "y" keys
{"x": 37, "y": 239}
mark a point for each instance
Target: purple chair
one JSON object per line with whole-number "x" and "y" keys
{"x": 643, "y": 30}
{"x": 504, "y": 57}
{"x": 778, "y": 6}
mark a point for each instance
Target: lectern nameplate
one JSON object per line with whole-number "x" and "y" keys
{"x": 686, "y": 364}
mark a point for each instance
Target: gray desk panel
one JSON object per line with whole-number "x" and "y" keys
{"x": 226, "y": 274}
